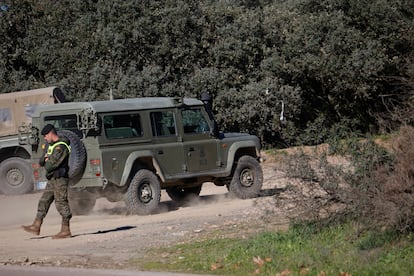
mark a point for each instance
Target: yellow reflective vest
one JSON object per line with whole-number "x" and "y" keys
{"x": 52, "y": 147}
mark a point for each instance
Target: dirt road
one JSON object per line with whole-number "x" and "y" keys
{"x": 108, "y": 238}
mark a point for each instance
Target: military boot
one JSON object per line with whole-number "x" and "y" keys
{"x": 34, "y": 228}
{"x": 64, "y": 232}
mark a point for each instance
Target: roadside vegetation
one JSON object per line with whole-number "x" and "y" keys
{"x": 353, "y": 215}
{"x": 288, "y": 71}
{"x": 304, "y": 250}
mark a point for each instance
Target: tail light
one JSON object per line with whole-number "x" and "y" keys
{"x": 35, "y": 168}
{"x": 96, "y": 166}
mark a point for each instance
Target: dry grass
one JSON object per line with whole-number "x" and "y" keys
{"x": 363, "y": 183}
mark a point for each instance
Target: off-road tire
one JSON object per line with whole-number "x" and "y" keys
{"x": 16, "y": 176}
{"x": 247, "y": 179}
{"x": 77, "y": 158}
{"x": 183, "y": 196}
{"x": 81, "y": 202}
{"x": 143, "y": 194}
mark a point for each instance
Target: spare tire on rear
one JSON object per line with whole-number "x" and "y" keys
{"x": 77, "y": 158}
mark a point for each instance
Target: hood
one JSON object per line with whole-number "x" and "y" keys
{"x": 234, "y": 134}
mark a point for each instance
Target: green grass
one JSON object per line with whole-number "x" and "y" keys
{"x": 303, "y": 250}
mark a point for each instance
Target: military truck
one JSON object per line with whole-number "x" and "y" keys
{"x": 130, "y": 149}
{"x": 16, "y": 109}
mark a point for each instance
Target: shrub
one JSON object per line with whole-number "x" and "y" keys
{"x": 393, "y": 201}
{"x": 364, "y": 182}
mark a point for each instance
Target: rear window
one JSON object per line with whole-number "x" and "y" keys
{"x": 64, "y": 122}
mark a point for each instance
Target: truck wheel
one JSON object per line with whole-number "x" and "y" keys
{"x": 77, "y": 158}
{"x": 16, "y": 176}
{"x": 183, "y": 195}
{"x": 81, "y": 202}
{"x": 144, "y": 193}
{"x": 247, "y": 178}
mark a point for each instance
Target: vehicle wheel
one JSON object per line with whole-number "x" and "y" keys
{"x": 77, "y": 158}
{"x": 183, "y": 195}
{"x": 16, "y": 176}
{"x": 144, "y": 193}
{"x": 247, "y": 178}
{"x": 81, "y": 202}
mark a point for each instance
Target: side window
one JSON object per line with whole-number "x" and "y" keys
{"x": 6, "y": 123}
{"x": 163, "y": 123}
{"x": 194, "y": 121}
{"x": 65, "y": 122}
{"x": 29, "y": 109}
{"x": 5, "y": 116}
{"x": 122, "y": 126}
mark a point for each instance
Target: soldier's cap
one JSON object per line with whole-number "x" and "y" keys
{"x": 48, "y": 128}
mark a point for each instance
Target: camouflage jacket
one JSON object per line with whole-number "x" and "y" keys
{"x": 56, "y": 159}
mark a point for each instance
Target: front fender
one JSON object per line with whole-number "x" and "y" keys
{"x": 240, "y": 146}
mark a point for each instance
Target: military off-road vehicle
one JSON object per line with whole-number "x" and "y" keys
{"x": 130, "y": 149}
{"x": 16, "y": 109}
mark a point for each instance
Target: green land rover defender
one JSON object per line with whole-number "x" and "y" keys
{"x": 130, "y": 149}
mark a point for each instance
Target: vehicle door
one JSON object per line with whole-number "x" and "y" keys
{"x": 167, "y": 145}
{"x": 200, "y": 147}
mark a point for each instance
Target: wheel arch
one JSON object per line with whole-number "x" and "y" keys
{"x": 14, "y": 151}
{"x": 238, "y": 150}
{"x": 140, "y": 160}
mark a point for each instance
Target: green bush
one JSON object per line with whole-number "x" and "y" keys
{"x": 327, "y": 61}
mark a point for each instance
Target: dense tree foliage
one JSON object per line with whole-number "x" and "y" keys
{"x": 289, "y": 71}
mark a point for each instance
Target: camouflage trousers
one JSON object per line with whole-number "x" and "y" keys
{"x": 57, "y": 190}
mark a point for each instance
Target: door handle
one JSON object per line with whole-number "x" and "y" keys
{"x": 160, "y": 152}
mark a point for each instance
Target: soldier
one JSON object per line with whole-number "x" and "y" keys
{"x": 56, "y": 165}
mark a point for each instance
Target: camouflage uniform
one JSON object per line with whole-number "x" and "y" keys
{"x": 57, "y": 168}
